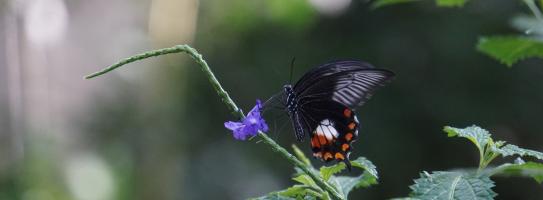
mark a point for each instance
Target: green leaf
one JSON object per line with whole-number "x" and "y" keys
{"x": 365, "y": 164}
{"x": 480, "y": 137}
{"x": 294, "y": 191}
{"x": 346, "y": 184}
{"x": 273, "y": 196}
{"x": 306, "y": 180}
{"x": 529, "y": 169}
{"x": 452, "y": 185}
{"x": 510, "y": 49}
{"x": 360, "y": 162}
{"x": 300, "y": 154}
{"x": 328, "y": 171}
{"x": 382, "y": 3}
{"x": 510, "y": 150}
{"x": 451, "y": 3}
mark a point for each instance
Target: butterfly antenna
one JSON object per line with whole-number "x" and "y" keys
{"x": 291, "y": 69}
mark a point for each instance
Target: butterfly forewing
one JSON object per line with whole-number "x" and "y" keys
{"x": 355, "y": 89}
{"x": 350, "y": 83}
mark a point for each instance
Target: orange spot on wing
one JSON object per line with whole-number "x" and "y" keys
{"x": 352, "y": 125}
{"x": 339, "y": 156}
{"x": 344, "y": 147}
{"x": 327, "y": 156}
{"x": 349, "y": 136}
{"x": 347, "y": 112}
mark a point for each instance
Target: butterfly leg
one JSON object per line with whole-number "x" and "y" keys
{"x": 298, "y": 127}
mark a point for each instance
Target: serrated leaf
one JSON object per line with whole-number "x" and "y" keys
{"x": 361, "y": 162}
{"x": 327, "y": 171}
{"x": 453, "y": 186}
{"x": 382, "y": 3}
{"x": 510, "y": 49}
{"x": 480, "y": 137}
{"x": 510, "y": 150}
{"x": 451, "y": 3}
{"x": 306, "y": 180}
{"x": 294, "y": 191}
{"x": 346, "y": 184}
{"x": 528, "y": 169}
{"x": 366, "y": 165}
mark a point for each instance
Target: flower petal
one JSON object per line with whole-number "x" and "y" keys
{"x": 233, "y": 125}
{"x": 250, "y": 125}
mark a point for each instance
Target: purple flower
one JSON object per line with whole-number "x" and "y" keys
{"x": 249, "y": 126}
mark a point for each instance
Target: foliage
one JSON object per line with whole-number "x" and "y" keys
{"x": 510, "y": 49}
{"x": 507, "y": 49}
{"x": 382, "y": 3}
{"x": 451, "y": 3}
{"x": 470, "y": 184}
{"x": 452, "y": 185}
{"x": 306, "y": 188}
{"x": 528, "y": 169}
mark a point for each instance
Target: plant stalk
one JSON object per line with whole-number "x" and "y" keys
{"x": 226, "y": 100}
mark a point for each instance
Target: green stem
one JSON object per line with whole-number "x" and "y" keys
{"x": 177, "y": 49}
{"x": 481, "y": 159}
{"x": 301, "y": 165}
{"x": 226, "y": 100}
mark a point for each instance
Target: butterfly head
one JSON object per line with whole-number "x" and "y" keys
{"x": 288, "y": 89}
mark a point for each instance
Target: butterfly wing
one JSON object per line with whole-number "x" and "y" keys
{"x": 334, "y": 129}
{"x": 350, "y": 83}
{"x": 327, "y": 97}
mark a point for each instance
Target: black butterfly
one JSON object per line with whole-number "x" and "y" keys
{"x": 322, "y": 103}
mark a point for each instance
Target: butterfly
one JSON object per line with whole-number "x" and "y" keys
{"x": 322, "y": 105}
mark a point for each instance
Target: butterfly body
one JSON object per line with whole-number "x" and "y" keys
{"x": 322, "y": 105}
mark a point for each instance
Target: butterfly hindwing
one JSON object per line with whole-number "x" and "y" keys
{"x": 334, "y": 130}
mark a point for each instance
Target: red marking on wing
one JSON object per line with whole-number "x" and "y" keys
{"x": 347, "y": 112}
{"x": 344, "y": 147}
{"x": 352, "y": 125}
{"x": 349, "y": 137}
{"x": 322, "y": 138}
{"x": 315, "y": 142}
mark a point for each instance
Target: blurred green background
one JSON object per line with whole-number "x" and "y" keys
{"x": 154, "y": 129}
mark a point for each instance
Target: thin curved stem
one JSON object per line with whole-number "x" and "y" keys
{"x": 226, "y": 100}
